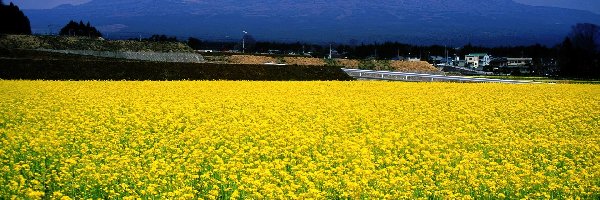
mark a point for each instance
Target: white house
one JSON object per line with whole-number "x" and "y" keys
{"x": 477, "y": 60}
{"x": 409, "y": 59}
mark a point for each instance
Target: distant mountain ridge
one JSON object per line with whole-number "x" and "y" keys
{"x": 492, "y": 22}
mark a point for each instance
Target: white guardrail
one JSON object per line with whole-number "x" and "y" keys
{"x": 404, "y": 76}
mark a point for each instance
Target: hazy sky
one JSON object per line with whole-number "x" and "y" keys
{"x": 589, "y": 5}
{"x": 43, "y": 4}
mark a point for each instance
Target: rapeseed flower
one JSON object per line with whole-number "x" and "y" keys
{"x": 298, "y": 140}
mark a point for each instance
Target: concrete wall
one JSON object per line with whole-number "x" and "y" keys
{"x": 147, "y": 56}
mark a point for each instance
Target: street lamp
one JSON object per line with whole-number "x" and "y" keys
{"x": 244, "y": 42}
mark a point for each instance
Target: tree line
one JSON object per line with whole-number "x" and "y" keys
{"x": 79, "y": 29}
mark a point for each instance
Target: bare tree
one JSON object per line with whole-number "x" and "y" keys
{"x": 586, "y": 37}
{"x": 580, "y": 52}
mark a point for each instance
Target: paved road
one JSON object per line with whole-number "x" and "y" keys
{"x": 417, "y": 77}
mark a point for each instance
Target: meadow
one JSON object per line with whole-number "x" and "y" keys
{"x": 298, "y": 140}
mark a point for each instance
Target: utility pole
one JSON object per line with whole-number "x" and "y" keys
{"x": 330, "y": 51}
{"x": 375, "y": 53}
{"x": 446, "y": 58}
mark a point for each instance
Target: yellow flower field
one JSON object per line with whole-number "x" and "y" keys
{"x": 298, "y": 140}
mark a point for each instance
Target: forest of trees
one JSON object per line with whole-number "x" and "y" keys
{"x": 79, "y": 29}
{"x": 12, "y": 20}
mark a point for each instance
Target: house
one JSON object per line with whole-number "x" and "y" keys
{"x": 511, "y": 65}
{"x": 439, "y": 60}
{"x": 447, "y": 61}
{"x": 436, "y": 59}
{"x": 477, "y": 60}
{"x": 398, "y": 58}
{"x": 511, "y": 62}
{"x": 273, "y": 51}
{"x": 496, "y": 63}
{"x": 460, "y": 63}
{"x": 409, "y": 59}
{"x": 334, "y": 54}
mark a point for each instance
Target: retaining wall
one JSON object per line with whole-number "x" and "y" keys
{"x": 147, "y": 56}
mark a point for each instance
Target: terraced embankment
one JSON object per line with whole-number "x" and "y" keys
{"x": 34, "y": 65}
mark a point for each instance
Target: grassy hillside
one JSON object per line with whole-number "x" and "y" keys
{"x": 85, "y": 43}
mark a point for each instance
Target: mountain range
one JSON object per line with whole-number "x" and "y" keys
{"x": 444, "y": 22}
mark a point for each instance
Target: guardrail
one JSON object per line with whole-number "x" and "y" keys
{"x": 418, "y": 77}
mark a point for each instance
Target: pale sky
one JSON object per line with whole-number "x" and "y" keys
{"x": 589, "y": 5}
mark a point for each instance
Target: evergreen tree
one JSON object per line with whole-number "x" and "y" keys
{"x": 12, "y": 20}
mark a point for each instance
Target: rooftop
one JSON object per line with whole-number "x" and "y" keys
{"x": 477, "y": 54}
